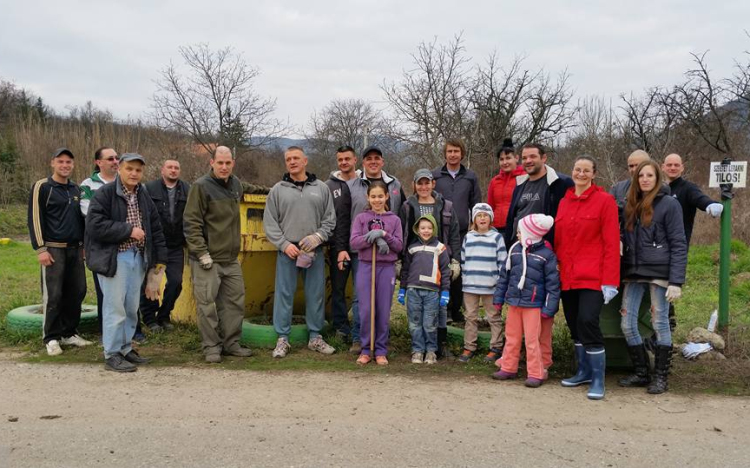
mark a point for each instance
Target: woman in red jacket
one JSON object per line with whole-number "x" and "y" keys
{"x": 500, "y": 192}
{"x": 587, "y": 244}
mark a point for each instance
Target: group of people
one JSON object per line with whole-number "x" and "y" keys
{"x": 538, "y": 238}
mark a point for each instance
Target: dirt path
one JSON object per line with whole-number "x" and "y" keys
{"x": 185, "y": 417}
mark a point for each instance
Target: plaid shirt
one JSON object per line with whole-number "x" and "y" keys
{"x": 133, "y": 218}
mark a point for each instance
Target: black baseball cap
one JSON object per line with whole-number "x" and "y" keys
{"x": 371, "y": 149}
{"x": 61, "y": 151}
{"x": 127, "y": 157}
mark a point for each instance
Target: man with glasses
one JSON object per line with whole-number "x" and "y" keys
{"x": 106, "y": 162}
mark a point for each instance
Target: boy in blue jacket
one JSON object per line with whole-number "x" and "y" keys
{"x": 530, "y": 284}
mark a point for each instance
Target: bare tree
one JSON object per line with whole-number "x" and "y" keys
{"x": 215, "y": 100}
{"x": 431, "y": 102}
{"x": 649, "y": 121}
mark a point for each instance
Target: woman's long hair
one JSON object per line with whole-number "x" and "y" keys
{"x": 640, "y": 204}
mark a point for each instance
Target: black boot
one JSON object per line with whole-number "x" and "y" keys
{"x": 641, "y": 377}
{"x": 442, "y": 337}
{"x": 661, "y": 371}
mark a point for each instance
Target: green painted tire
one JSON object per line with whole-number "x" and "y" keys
{"x": 264, "y": 336}
{"x": 456, "y": 335}
{"x": 28, "y": 319}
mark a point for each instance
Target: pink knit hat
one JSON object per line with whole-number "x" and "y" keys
{"x": 533, "y": 227}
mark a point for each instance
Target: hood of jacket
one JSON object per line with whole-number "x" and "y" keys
{"x": 429, "y": 218}
{"x": 551, "y": 176}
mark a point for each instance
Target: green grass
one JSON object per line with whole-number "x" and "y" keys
{"x": 13, "y": 221}
{"x": 19, "y": 286}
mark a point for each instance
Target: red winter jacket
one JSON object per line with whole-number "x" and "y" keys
{"x": 587, "y": 240}
{"x": 500, "y": 193}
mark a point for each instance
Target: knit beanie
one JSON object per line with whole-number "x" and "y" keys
{"x": 532, "y": 228}
{"x": 482, "y": 208}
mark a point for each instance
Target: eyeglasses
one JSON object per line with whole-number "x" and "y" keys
{"x": 112, "y": 158}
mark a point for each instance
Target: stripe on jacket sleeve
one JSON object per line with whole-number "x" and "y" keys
{"x": 36, "y": 214}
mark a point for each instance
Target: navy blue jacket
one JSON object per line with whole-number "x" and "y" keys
{"x": 463, "y": 191}
{"x": 542, "y": 285}
{"x": 691, "y": 198}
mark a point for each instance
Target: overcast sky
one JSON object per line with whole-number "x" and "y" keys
{"x": 311, "y": 52}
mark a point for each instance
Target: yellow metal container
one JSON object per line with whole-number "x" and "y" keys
{"x": 258, "y": 260}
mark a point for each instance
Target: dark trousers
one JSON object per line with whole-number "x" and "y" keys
{"x": 151, "y": 312}
{"x": 582, "y": 308}
{"x": 456, "y": 298}
{"x": 338, "y": 279}
{"x": 99, "y": 300}
{"x": 63, "y": 291}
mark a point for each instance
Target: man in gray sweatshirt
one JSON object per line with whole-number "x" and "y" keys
{"x": 298, "y": 219}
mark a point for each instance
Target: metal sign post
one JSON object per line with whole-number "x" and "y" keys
{"x": 726, "y": 175}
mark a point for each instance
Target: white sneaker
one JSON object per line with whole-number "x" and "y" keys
{"x": 75, "y": 340}
{"x": 430, "y": 358}
{"x": 317, "y": 344}
{"x": 416, "y": 358}
{"x": 281, "y": 349}
{"x": 53, "y": 348}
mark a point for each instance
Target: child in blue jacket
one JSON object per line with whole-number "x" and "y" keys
{"x": 530, "y": 285}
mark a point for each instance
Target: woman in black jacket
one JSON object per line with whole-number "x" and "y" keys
{"x": 654, "y": 258}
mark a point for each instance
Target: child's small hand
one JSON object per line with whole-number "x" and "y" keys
{"x": 401, "y": 296}
{"x": 547, "y": 317}
{"x": 444, "y": 298}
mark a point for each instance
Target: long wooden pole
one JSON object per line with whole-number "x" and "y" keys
{"x": 372, "y": 304}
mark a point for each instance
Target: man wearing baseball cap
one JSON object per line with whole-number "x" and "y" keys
{"x": 56, "y": 230}
{"x": 124, "y": 239}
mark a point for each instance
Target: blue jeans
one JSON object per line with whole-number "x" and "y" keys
{"x": 422, "y": 308}
{"x": 122, "y": 294}
{"x": 355, "y": 301}
{"x": 631, "y": 303}
{"x": 286, "y": 285}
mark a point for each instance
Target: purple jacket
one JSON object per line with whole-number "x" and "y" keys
{"x": 369, "y": 220}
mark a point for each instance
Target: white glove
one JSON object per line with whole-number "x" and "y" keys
{"x": 206, "y": 261}
{"x": 673, "y": 293}
{"x": 455, "y": 267}
{"x": 693, "y": 350}
{"x": 311, "y": 242}
{"x": 153, "y": 283}
{"x": 609, "y": 293}
{"x": 715, "y": 209}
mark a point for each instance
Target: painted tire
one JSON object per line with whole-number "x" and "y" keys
{"x": 29, "y": 319}
{"x": 456, "y": 335}
{"x": 264, "y": 336}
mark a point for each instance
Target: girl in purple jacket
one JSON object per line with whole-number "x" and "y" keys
{"x": 379, "y": 229}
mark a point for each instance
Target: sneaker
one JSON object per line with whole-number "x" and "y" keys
{"x": 167, "y": 326}
{"x": 317, "y": 344}
{"x": 533, "y": 383}
{"x": 53, "y": 348}
{"x": 213, "y": 358}
{"x": 156, "y": 328}
{"x": 416, "y": 358}
{"x": 502, "y": 375}
{"x": 117, "y": 363}
{"x": 430, "y": 358}
{"x": 363, "y": 359}
{"x": 381, "y": 360}
{"x": 75, "y": 340}
{"x": 135, "y": 358}
{"x": 356, "y": 347}
{"x": 493, "y": 355}
{"x": 139, "y": 338}
{"x": 466, "y": 356}
{"x": 238, "y": 351}
{"x": 282, "y": 348}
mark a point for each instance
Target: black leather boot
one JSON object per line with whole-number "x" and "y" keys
{"x": 661, "y": 371}
{"x": 641, "y": 377}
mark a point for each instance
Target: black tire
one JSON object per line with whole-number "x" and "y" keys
{"x": 264, "y": 336}
{"x": 28, "y": 320}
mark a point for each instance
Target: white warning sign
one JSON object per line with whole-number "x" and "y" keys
{"x": 734, "y": 173}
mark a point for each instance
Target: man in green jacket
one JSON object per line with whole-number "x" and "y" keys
{"x": 212, "y": 232}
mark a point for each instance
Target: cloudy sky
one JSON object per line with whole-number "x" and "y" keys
{"x": 310, "y": 52}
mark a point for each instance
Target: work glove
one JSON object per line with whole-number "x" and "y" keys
{"x": 444, "y": 298}
{"x": 401, "y": 296}
{"x": 693, "y": 350}
{"x": 609, "y": 293}
{"x": 397, "y": 265}
{"x": 673, "y": 293}
{"x": 374, "y": 234}
{"x": 455, "y": 267}
{"x": 153, "y": 282}
{"x": 206, "y": 261}
{"x": 715, "y": 209}
{"x": 382, "y": 246}
{"x": 311, "y": 242}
